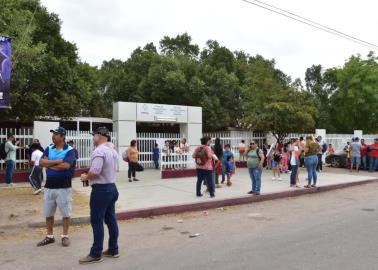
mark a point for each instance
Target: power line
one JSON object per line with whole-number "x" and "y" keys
{"x": 311, "y": 23}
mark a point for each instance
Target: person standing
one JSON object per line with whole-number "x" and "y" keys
{"x": 373, "y": 156}
{"x": 255, "y": 162}
{"x": 363, "y": 152}
{"x": 356, "y": 154}
{"x": 295, "y": 150}
{"x": 36, "y": 176}
{"x": 226, "y": 154}
{"x": 218, "y": 151}
{"x": 276, "y": 161}
{"x": 301, "y": 159}
{"x": 132, "y": 154}
{"x": 322, "y": 150}
{"x": 102, "y": 178}
{"x": 156, "y": 156}
{"x": 311, "y": 150}
{"x": 203, "y": 158}
{"x": 58, "y": 159}
{"x": 242, "y": 148}
{"x": 10, "y": 160}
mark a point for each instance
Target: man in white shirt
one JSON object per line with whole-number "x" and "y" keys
{"x": 36, "y": 176}
{"x": 10, "y": 160}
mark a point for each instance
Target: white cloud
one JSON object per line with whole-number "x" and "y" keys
{"x": 113, "y": 29}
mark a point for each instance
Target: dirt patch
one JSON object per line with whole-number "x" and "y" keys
{"x": 20, "y": 207}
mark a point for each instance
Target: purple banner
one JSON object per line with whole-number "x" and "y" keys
{"x": 5, "y": 71}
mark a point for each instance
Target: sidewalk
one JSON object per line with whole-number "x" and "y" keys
{"x": 152, "y": 192}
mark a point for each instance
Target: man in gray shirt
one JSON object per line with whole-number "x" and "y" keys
{"x": 10, "y": 160}
{"x": 356, "y": 154}
{"x": 101, "y": 177}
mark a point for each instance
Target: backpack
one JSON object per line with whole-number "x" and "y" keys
{"x": 3, "y": 153}
{"x": 258, "y": 152}
{"x": 125, "y": 155}
{"x": 201, "y": 156}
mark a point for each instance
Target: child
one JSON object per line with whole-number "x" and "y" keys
{"x": 242, "y": 149}
{"x": 156, "y": 155}
{"x": 276, "y": 164}
{"x": 285, "y": 161}
{"x": 230, "y": 165}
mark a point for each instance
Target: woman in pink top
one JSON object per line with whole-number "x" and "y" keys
{"x": 204, "y": 165}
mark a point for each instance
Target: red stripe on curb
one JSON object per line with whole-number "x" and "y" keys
{"x": 214, "y": 203}
{"x": 199, "y": 206}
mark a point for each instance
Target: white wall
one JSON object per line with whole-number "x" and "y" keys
{"x": 42, "y": 132}
{"x": 125, "y": 117}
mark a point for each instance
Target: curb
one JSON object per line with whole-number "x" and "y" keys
{"x": 199, "y": 206}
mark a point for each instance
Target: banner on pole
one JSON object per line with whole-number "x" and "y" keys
{"x": 5, "y": 71}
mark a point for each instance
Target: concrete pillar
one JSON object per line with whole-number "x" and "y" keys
{"x": 358, "y": 133}
{"x": 124, "y": 125}
{"x": 42, "y": 132}
{"x": 194, "y": 127}
{"x": 321, "y": 132}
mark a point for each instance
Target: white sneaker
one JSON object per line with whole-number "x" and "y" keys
{"x": 11, "y": 185}
{"x": 273, "y": 178}
{"x": 37, "y": 191}
{"x": 279, "y": 179}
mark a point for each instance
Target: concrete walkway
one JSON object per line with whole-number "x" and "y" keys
{"x": 152, "y": 192}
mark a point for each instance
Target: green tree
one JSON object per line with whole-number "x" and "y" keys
{"x": 355, "y": 97}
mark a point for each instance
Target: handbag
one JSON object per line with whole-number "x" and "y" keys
{"x": 139, "y": 168}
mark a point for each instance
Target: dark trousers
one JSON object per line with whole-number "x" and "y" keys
{"x": 36, "y": 177}
{"x": 207, "y": 176}
{"x": 102, "y": 203}
{"x": 320, "y": 162}
{"x": 156, "y": 162}
{"x": 293, "y": 175}
{"x": 132, "y": 169}
{"x": 9, "y": 171}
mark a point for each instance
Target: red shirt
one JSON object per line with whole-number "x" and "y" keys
{"x": 364, "y": 149}
{"x": 374, "y": 153}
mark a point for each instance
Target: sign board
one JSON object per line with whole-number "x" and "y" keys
{"x": 147, "y": 112}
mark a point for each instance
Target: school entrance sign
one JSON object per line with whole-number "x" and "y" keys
{"x": 127, "y": 114}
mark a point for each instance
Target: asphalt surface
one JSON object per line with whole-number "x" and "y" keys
{"x": 332, "y": 230}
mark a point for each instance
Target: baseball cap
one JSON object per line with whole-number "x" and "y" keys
{"x": 59, "y": 130}
{"x": 103, "y": 131}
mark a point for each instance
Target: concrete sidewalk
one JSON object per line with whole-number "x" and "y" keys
{"x": 153, "y": 192}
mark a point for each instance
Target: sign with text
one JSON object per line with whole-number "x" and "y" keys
{"x": 147, "y": 112}
{"x": 5, "y": 71}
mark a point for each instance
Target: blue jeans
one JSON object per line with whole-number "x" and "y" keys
{"x": 363, "y": 162}
{"x": 9, "y": 171}
{"x": 255, "y": 175}
{"x": 102, "y": 203}
{"x": 207, "y": 176}
{"x": 311, "y": 164}
{"x": 373, "y": 164}
{"x": 293, "y": 175}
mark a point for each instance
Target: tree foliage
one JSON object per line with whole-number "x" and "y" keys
{"x": 234, "y": 88}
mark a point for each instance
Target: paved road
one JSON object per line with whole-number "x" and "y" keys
{"x": 334, "y": 230}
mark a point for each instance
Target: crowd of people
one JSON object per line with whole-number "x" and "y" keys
{"x": 361, "y": 155}
{"x": 213, "y": 160}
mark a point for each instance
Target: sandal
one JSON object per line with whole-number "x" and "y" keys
{"x": 307, "y": 186}
{"x": 46, "y": 241}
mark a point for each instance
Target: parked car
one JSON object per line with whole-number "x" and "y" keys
{"x": 337, "y": 160}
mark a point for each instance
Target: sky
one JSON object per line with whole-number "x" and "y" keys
{"x": 103, "y": 30}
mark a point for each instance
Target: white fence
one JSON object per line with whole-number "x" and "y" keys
{"x": 83, "y": 142}
{"x": 175, "y": 161}
{"x": 25, "y": 135}
{"x": 146, "y": 142}
{"x": 233, "y": 138}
